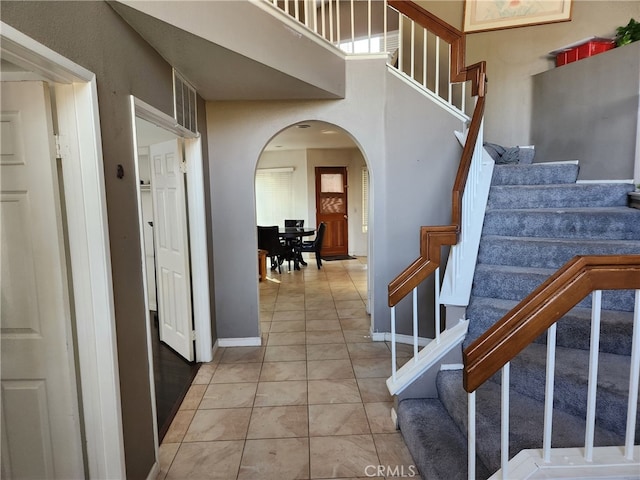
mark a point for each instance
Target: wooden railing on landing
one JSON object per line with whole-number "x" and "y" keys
{"x": 543, "y": 307}
{"x": 433, "y": 238}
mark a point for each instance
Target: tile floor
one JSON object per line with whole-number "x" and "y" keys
{"x": 311, "y": 403}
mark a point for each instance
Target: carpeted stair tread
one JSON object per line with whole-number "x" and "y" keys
{"x": 573, "y": 330}
{"x": 438, "y": 447}
{"x": 615, "y": 223}
{"x": 525, "y": 420}
{"x": 547, "y": 252}
{"x": 535, "y": 174}
{"x": 555, "y": 196}
{"x": 528, "y": 374}
{"x": 515, "y": 283}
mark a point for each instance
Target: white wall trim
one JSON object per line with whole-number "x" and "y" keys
{"x": 623, "y": 181}
{"x": 239, "y": 342}
{"x": 400, "y": 338}
{"x": 90, "y": 257}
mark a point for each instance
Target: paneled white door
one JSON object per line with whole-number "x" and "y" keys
{"x": 171, "y": 239}
{"x": 40, "y": 414}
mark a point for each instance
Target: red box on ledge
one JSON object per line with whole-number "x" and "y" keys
{"x": 583, "y": 49}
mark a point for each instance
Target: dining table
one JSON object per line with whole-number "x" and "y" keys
{"x": 289, "y": 235}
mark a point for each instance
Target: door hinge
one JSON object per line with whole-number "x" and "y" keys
{"x": 183, "y": 166}
{"x": 58, "y": 146}
{"x": 193, "y": 335}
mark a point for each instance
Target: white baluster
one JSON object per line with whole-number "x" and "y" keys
{"x": 424, "y": 57}
{"x": 471, "y": 436}
{"x": 338, "y": 29}
{"x": 504, "y": 424}
{"x": 393, "y": 343}
{"x": 437, "y": 302}
{"x": 296, "y": 9}
{"x": 634, "y": 378}
{"x": 548, "y": 392}
{"x": 413, "y": 49}
{"x": 415, "y": 325}
{"x": 353, "y": 29}
{"x": 596, "y": 303}
{"x": 330, "y": 21}
{"x": 437, "y": 86}
{"x": 369, "y": 23}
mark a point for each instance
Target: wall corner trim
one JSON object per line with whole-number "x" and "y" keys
{"x": 239, "y": 342}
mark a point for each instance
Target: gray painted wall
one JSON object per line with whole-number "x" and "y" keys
{"x": 588, "y": 111}
{"x": 409, "y": 186}
{"x": 94, "y": 36}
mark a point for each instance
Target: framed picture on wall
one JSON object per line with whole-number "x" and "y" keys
{"x": 483, "y": 15}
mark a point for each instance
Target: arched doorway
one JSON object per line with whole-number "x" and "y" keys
{"x": 288, "y": 173}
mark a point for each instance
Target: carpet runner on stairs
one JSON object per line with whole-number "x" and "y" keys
{"x": 537, "y": 219}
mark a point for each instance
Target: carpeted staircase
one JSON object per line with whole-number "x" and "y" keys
{"x": 537, "y": 219}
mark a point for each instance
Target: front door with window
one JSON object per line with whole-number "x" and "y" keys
{"x": 331, "y": 208}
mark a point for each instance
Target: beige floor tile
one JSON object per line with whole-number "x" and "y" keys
{"x": 179, "y": 426}
{"x": 328, "y": 314}
{"x": 346, "y": 456}
{"x": 281, "y": 371}
{"x": 333, "y": 391}
{"x": 356, "y": 336}
{"x": 205, "y": 372}
{"x": 322, "y": 325}
{"x": 290, "y": 326}
{"x": 337, "y": 419}
{"x": 293, "y": 338}
{"x": 166, "y": 454}
{"x": 324, "y": 302}
{"x": 285, "y": 353}
{"x": 363, "y": 323}
{"x": 329, "y": 369}
{"x": 344, "y": 313}
{"x": 279, "y": 422}
{"x": 379, "y": 416}
{"x": 193, "y": 397}
{"x": 206, "y": 460}
{"x": 265, "y": 327}
{"x": 348, "y": 304}
{"x": 315, "y": 338}
{"x": 371, "y": 367}
{"x": 220, "y": 424}
{"x": 270, "y": 394}
{"x": 393, "y": 452}
{"x": 288, "y": 316}
{"x": 275, "y": 459}
{"x": 369, "y": 350}
{"x": 229, "y": 395}
{"x": 327, "y": 351}
{"x": 237, "y": 373}
{"x": 294, "y": 305}
{"x": 243, "y": 355}
{"x": 345, "y": 295}
{"x": 374, "y": 390}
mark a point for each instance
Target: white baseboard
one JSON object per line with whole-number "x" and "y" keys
{"x": 239, "y": 342}
{"x": 407, "y": 339}
{"x": 155, "y": 470}
{"x": 627, "y": 181}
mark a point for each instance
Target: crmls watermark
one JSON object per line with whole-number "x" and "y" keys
{"x": 391, "y": 471}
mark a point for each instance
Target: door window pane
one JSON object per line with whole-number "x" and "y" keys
{"x": 331, "y": 183}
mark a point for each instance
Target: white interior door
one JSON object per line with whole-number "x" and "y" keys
{"x": 171, "y": 246}
{"x": 40, "y": 416}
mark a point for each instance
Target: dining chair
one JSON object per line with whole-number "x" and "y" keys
{"x": 315, "y": 245}
{"x": 294, "y": 223}
{"x": 269, "y": 240}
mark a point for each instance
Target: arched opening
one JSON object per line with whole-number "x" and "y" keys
{"x": 314, "y": 172}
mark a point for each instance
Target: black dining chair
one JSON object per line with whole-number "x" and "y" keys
{"x": 315, "y": 245}
{"x": 269, "y": 240}
{"x": 294, "y": 223}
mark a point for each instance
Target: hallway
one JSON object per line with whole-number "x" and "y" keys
{"x": 311, "y": 403}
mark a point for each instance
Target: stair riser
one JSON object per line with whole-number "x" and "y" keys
{"x": 572, "y": 331}
{"x": 536, "y": 174}
{"x": 570, "y": 395}
{"x": 623, "y": 224}
{"x": 545, "y": 254}
{"x": 517, "y": 285}
{"x": 556, "y": 196}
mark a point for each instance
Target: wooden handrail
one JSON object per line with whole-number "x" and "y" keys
{"x": 432, "y": 239}
{"x": 542, "y": 308}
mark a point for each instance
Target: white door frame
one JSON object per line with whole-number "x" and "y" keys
{"x": 90, "y": 257}
{"x": 197, "y": 222}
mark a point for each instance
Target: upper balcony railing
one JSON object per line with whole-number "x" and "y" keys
{"x": 419, "y": 46}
